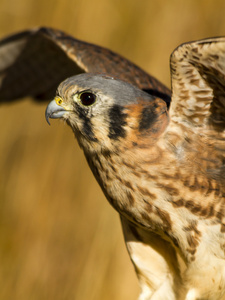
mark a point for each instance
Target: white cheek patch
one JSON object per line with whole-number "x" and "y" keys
{"x": 100, "y": 127}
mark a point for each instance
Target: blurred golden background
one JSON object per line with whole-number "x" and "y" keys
{"x": 59, "y": 238}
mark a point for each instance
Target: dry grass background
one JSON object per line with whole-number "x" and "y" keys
{"x": 59, "y": 238}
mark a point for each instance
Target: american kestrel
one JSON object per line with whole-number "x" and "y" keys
{"x": 162, "y": 169}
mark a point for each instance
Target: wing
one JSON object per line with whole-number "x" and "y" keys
{"x": 34, "y": 62}
{"x": 196, "y": 131}
{"x": 198, "y": 84}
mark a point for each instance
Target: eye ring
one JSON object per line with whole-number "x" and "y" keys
{"x": 87, "y": 98}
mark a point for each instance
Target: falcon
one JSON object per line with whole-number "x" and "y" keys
{"x": 161, "y": 165}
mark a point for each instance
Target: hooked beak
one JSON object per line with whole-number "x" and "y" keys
{"x": 54, "y": 111}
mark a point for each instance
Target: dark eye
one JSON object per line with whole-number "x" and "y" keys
{"x": 87, "y": 98}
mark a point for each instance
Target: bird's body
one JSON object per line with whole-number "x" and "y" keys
{"x": 164, "y": 178}
{"x": 162, "y": 169}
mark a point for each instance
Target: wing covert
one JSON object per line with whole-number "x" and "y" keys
{"x": 198, "y": 83}
{"x": 34, "y": 62}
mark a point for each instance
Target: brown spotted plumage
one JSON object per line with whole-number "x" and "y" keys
{"x": 162, "y": 169}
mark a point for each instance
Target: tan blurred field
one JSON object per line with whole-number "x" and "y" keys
{"x": 59, "y": 238}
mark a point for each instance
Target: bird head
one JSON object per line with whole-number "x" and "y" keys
{"x": 102, "y": 110}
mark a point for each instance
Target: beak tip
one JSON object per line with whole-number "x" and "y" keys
{"x": 47, "y": 115}
{"x": 47, "y": 119}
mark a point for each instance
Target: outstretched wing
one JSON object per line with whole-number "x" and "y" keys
{"x": 198, "y": 84}
{"x": 34, "y": 62}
